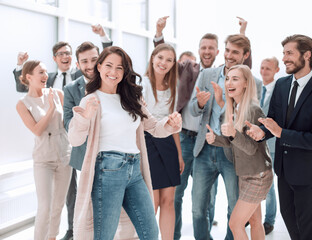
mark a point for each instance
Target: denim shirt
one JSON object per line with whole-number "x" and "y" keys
{"x": 216, "y": 109}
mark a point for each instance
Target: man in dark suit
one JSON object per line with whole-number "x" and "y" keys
{"x": 290, "y": 121}
{"x": 87, "y": 54}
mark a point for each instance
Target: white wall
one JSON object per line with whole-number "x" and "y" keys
{"x": 269, "y": 22}
{"x": 20, "y": 31}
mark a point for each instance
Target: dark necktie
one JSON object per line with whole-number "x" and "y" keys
{"x": 263, "y": 96}
{"x": 292, "y": 100}
{"x": 64, "y": 80}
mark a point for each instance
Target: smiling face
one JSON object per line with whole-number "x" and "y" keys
{"x": 86, "y": 62}
{"x": 292, "y": 58}
{"x": 235, "y": 84}
{"x": 39, "y": 77}
{"x": 163, "y": 61}
{"x": 63, "y": 58}
{"x": 267, "y": 70}
{"x": 208, "y": 50}
{"x": 111, "y": 71}
{"x": 234, "y": 55}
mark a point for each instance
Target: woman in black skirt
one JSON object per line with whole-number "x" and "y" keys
{"x": 164, "y": 155}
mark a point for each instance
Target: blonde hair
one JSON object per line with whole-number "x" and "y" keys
{"x": 170, "y": 78}
{"x": 249, "y": 98}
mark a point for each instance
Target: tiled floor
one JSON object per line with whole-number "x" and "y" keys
{"x": 218, "y": 232}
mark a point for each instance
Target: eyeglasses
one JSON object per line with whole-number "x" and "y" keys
{"x": 62, "y": 54}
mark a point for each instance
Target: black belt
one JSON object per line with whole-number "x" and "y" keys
{"x": 189, "y": 132}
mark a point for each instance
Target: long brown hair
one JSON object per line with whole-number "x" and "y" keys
{"x": 130, "y": 93}
{"x": 169, "y": 79}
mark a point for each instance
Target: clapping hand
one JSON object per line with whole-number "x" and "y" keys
{"x": 202, "y": 97}
{"x": 51, "y": 99}
{"x": 218, "y": 92}
{"x": 272, "y": 126}
{"x": 210, "y": 136}
{"x": 228, "y": 129}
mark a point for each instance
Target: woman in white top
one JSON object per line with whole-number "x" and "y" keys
{"x": 114, "y": 120}
{"x": 41, "y": 110}
{"x": 164, "y": 155}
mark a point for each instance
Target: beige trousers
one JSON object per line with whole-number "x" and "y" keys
{"x": 52, "y": 182}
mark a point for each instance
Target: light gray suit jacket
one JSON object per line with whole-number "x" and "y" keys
{"x": 265, "y": 109}
{"x": 204, "y": 84}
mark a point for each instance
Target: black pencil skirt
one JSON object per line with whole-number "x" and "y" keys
{"x": 163, "y": 160}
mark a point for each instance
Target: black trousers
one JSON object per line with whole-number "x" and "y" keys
{"x": 296, "y": 209}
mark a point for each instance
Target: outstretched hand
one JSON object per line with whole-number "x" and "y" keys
{"x": 160, "y": 25}
{"x": 228, "y": 129}
{"x": 174, "y": 120}
{"x": 254, "y": 131}
{"x": 210, "y": 136}
{"x": 91, "y": 107}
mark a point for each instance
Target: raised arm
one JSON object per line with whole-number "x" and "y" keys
{"x": 160, "y": 25}
{"x": 99, "y": 30}
{"x": 22, "y": 57}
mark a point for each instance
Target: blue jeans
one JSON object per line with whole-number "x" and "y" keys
{"x": 207, "y": 166}
{"x": 270, "y": 204}
{"x": 212, "y": 203}
{"x": 187, "y": 145}
{"x": 118, "y": 182}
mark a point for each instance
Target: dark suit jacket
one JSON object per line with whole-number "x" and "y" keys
{"x": 293, "y": 151}
{"x": 51, "y": 79}
{"x": 188, "y": 73}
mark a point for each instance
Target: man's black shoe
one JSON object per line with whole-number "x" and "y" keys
{"x": 268, "y": 228}
{"x": 68, "y": 235}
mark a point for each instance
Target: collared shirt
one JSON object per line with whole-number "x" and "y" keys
{"x": 269, "y": 90}
{"x": 302, "y": 83}
{"x": 58, "y": 83}
{"x": 190, "y": 122}
{"x": 216, "y": 109}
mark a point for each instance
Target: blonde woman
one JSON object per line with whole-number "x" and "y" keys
{"x": 164, "y": 155}
{"x": 251, "y": 159}
{"x": 41, "y": 110}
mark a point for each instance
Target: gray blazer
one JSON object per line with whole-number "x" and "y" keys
{"x": 204, "y": 84}
{"x": 265, "y": 109}
{"x": 249, "y": 157}
{"x": 73, "y": 93}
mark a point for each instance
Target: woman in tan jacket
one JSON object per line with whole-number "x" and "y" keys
{"x": 115, "y": 171}
{"x": 251, "y": 159}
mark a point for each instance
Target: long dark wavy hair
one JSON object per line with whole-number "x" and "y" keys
{"x": 130, "y": 93}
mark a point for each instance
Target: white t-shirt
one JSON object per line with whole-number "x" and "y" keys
{"x": 118, "y": 130}
{"x": 159, "y": 109}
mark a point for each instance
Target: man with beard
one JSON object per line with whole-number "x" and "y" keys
{"x": 87, "y": 55}
{"x": 290, "y": 121}
{"x": 62, "y": 56}
{"x": 210, "y": 161}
